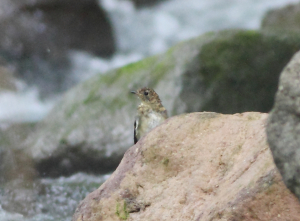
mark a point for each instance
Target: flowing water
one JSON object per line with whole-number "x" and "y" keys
{"x": 57, "y": 198}
{"x": 139, "y": 33}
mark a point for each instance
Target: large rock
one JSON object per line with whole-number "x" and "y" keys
{"x": 282, "y": 19}
{"x": 284, "y": 126}
{"x": 227, "y": 72}
{"x": 37, "y": 36}
{"x": 199, "y": 166}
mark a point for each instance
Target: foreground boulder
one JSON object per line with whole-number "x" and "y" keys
{"x": 91, "y": 128}
{"x": 199, "y": 166}
{"x": 284, "y": 126}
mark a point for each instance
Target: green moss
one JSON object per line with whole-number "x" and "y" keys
{"x": 137, "y": 66}
{"x": 235, "y": 66}
{"x": 253, "y": 116}
{"x": 233, "y": 54}
{"x": 251, "y": 184}
{"x": 208, "y": 115}
{"x": 237, "y": 149}
{"x": 71, "y": 110}
{"x": 150, "y": 155}
{"x": 63, "y": 141}
{"x": 122, "y": 213}
{"x": 165, "y": 161}
{"x": 158, "y": 72}
{"x": 269, "y": 188}
{"x": 127, "y": 74}
{"x": 150, "y": 70}
{"x": 92, "y": 97}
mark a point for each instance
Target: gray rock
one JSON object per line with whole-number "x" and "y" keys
{"x": 145, "y": 3}
{"x": 14, "y": 164}
{"x": 19, "y": 191}
{"x": 37, "y": 35}
{"x": 284, "y": 126}
{"x": 282, "y": 19}
{"x": 228, "y": 72}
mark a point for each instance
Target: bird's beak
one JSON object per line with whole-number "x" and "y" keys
{"x": 133, "y": 92}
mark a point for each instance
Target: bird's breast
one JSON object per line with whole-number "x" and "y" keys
{"x": 154, "y": 119}
{"x": 150, "y": 121}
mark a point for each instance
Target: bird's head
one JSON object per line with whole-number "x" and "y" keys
{"x": 147, "y": 95}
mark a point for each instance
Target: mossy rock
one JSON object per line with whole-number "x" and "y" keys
{"x": 240, "y": 71}
{"x": 229, "y": 72}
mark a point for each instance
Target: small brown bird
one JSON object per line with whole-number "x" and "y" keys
{"x": 150, "y": 113}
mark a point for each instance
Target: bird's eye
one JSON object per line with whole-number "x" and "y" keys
{"x": 146, "y": 93}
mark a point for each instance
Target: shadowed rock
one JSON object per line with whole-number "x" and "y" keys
{"x": 284, "y": 126}
{"x": 37, "y": 36}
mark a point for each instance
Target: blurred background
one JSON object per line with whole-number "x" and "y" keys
{"x": 49, "y": 46}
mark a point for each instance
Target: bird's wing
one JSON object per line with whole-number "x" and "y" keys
{"x": 165, "y": 114}
{"x": 136, "y": 124}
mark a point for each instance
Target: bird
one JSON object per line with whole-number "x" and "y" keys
{"x": 150, "y": 112}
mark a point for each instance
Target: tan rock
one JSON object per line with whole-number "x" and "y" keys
{"x": 199, "y": 166}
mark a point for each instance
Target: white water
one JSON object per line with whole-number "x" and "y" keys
{"x": 22, "y": 106}
{"x": 153, "y": 30}
{"x": 59, "y": 198}
{"x": 144, "y": 32}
